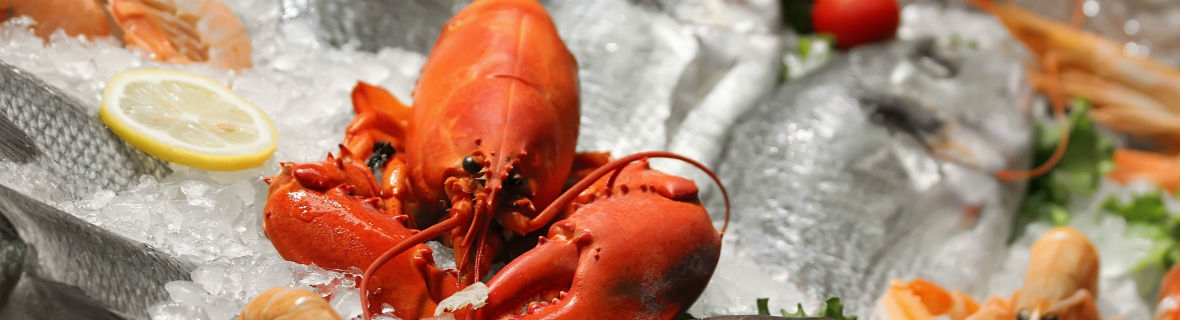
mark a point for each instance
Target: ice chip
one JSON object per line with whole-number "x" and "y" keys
{"x": 101, "y": 199}
{"x": 347, "y": 302}
{"x": 177, "y": 311}
{"x": 444, "y": 257}
{"x": 187, "y": 292}
{"x": 210, "y": 277}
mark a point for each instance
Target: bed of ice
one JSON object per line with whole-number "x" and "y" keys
{"x": 213, "y": 218}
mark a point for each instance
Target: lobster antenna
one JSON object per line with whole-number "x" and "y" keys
{"x": 1054, "y": 91}
{"x": 420, "y": 237}
{"x": 614, "y": 167}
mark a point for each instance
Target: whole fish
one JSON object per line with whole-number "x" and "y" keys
{"x": 45, "y": 132}
{"x": 877, "y": 166}
{"x": 57, "y": 266}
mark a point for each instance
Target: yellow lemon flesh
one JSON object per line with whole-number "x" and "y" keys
{"x": 187, "y": 119}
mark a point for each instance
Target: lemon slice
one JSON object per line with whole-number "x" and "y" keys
{"x": 187, "y": 119}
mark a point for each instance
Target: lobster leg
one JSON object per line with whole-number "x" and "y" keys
{"x": 380, "y": 117}
{"x": 589, "y": 267}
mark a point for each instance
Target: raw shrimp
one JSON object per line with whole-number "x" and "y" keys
{"x": 1136, "y": 95}
{"x": 1160, "y": 169}
{"x": 1061, "y": 283}
{"x": 170, "y": 31}
{"x": 288, "y": 303}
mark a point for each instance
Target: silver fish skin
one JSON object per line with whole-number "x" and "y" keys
{"x": 371, "y": 25}
{"x": 42, "y": 128}
{"x": 56, "y": 266}
{"x": 877, "y": 166}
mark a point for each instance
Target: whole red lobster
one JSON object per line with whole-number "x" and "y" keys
{"x": 480, "y": 161}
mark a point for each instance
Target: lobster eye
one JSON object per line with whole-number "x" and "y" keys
{"x": 516, "y": 180}
{"x": 471, "y": 166}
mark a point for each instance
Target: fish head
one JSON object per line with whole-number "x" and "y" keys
{"x": 955, "y": 99}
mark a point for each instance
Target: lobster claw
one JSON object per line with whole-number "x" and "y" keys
{"x": 643, "y": 246}
{"x": 326, "y": 213}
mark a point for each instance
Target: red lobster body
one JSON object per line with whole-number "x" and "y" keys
{"x": 499, "y": 87}
{"x": 485, "y": 154}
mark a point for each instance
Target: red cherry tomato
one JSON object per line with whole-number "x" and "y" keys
{"x": 856, "y": 22}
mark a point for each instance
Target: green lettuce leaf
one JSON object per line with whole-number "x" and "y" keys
{"x": 1086, "y": 161}
{"x": 1148, "y": 218}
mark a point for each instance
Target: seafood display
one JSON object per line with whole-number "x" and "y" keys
{"x": 171, "y": 31}
{"x": 56, "y": 265}
{"x": 43, "y": 128}
{"x": 578, "y": 159}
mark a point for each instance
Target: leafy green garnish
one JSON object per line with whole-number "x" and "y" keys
{"x": 763, "y": 310}
{"x": 1086, "y": 160}
{"x": 805, "y": 43}
{"x": 806, "y": 57}
{"x": 830, "y": 309}
{"x": 1148, "y": 208}
{"x": 1148, "y": 218}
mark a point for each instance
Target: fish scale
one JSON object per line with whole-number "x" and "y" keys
{"x": 79, "y": 152}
